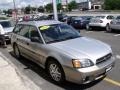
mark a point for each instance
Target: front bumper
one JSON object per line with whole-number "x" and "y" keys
{"x": 114, "y": 27}
{"x": 87, "y": 75}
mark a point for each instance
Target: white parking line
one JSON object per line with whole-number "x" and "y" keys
{"x": 89, "y": 31}
{"x": 118, "y": 56}
{"x": 116, "y": 35}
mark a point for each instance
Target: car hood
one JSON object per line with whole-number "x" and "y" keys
{"x": 8, "y": 30}
{"x": 83, "y": 47}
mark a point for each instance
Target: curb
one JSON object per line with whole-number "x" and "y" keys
{"x": 24, "y": 79}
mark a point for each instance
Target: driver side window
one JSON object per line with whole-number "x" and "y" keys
{"x": 33, "y": 32}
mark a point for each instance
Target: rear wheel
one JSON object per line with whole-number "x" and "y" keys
{"x": 108, "y": 29}
{"x": 88, "y": 27}
{"x": 55, "y": 71}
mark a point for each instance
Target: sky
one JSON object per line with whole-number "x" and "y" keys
{"x": 6, "y": 4}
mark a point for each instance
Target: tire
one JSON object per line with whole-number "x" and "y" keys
{"x": 16, "y": 51}
{"x": 88, "y": 28}
{"x": 108, "y": 29}
{"x": 55, "y": 71}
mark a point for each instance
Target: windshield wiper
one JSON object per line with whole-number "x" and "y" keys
{"x": 71, "y": 38}
{"x": 67, "y": 38}
{"x": 57, "y": 40}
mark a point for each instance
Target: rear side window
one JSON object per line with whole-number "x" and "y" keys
{"x": 110, "y": 17}
{"x": 24, "y": 31}
{"x": 6, "y": 24}
{"x": 34, "y": 32}
{"x": 17, "y": 29}
{"x": 118, "y": 17}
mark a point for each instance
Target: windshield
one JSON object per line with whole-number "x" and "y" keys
{"x": 102, "y": 17}
{"x": 118, "y": 17}
{"x": 6, "y": 24}
{"x": 58, "y": 32}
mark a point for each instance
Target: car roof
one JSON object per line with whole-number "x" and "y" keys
{"x": 40, "y": 23}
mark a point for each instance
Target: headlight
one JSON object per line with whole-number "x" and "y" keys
{"x": 83, "y": 63}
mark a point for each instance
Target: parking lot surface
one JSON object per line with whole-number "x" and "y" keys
{"x": 41, "y": 79}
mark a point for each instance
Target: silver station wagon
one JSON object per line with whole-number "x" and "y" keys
{"x": 62, "y": 51}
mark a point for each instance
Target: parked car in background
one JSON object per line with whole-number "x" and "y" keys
{"x": 81, "y": 21}
{"x": 61, "y": 17}
{"x": 102, "y": 21}
{"x": 43, "y": 17}
{"x": 7, "y": 27}
{"x": 114, "y": 25}
{"x": 62, "y": 51}
{"x": 70, "y": 19}
{"x": 20, "y": 18}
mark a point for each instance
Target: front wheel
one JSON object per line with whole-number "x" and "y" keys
{"x": 55, "y": 71}
{"x": 16, "y": 51}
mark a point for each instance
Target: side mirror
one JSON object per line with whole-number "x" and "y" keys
{"x": 35, "y": 39}
{"x": 79, "y": 31}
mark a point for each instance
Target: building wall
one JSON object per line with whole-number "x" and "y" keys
{"x": 91, "y": 4}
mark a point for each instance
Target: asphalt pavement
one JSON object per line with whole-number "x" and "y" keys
{"x": 41, "y": 79}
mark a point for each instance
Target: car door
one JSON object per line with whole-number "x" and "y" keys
{"x": 36, "y": 50}
{"x": 23, "y": 40}
{"x": 117, "y": 23}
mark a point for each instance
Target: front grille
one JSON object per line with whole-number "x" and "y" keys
{"x": 103, "y": 59}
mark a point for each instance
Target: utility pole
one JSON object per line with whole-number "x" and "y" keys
{"x": 67, "y": 5}
{"x": 15, "y": 13}
{"x": 14, "y": 4}
{"x": 55, "y": 10}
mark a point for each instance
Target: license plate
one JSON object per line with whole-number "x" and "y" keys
{"x": 108, "y": 69}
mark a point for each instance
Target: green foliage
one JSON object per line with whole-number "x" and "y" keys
{"x": 59, "y": 6}
{"x": 112, "y": 5}
{"x": 33, "y": 8}
{"x": 49, "y": 7}
{"x": 41, "y": 9}
{"x": 9, "y": 11}
{"x": 72, "y": 5}
{"x": 5, "y": 11}
{"x": 27, "y": 9}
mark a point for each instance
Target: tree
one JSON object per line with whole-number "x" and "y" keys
{"x": 9, "y": 12}
{"x": 5, "y": 12}
{"x": 27, "y": 9}
{"x": 112, "y": 5}
{"x": 59, "y": 6}
{"x": 41, "y": 9}
{"x": 49, "y": 7}
{"x": 33, "y": 8}
{"x": 72, "y": 5}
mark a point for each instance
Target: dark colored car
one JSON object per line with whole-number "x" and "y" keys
{"x": 81, "y": 21}
{"x": 43, "y": 17}
{"x": 61, "y": 17}
{"x": 70, "y": 19}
